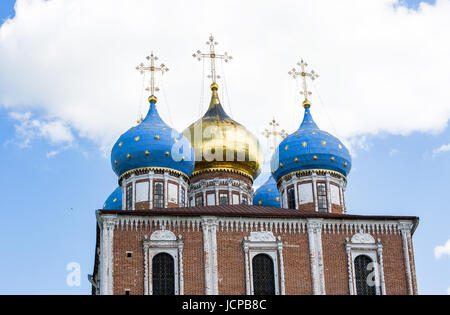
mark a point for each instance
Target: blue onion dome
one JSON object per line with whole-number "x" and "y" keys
{"x": 267, "y": 195}
{"x": 152, "y": 145}
{"x": 310, "y": 148}
{"x": 114, "y": 201}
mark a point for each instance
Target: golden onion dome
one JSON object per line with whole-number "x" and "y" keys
{"x": 222, "y": 144}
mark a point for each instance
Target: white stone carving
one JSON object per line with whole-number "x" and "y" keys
{"x": 163, "y": 235}
{"x": 363, "y": 238}
{"x": 262, "y": 237}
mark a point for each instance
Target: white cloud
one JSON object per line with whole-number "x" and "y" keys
{"x": 54, "y": 131}
{"x": 442, "y": 250}
{"x": 393, "y": 152}
{"x": 443, "y": 148}
{"x": 448, "y": 291}
{"x": 383, "y": 69}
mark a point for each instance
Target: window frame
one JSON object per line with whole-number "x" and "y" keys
{"x": 155, "y": 195}
{"x": 163, "y": 241}
{"x": 290, "y": 201}
{"x": 325, "y": 196}
{"x": 129, "y": 196}
{"x": 264, "y": 243}
{"x": 220, "y": 199}
{"x": 152, "y": 261}
{"x": 364, "y": 244}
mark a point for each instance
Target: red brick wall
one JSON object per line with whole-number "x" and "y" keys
{"x": 336, "y": 263}
{"x": 129, "y": 272}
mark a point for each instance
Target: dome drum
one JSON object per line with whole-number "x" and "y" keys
{"x": 154, "y": 189}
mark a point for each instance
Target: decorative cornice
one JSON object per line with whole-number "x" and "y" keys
{"x": 277, "y": 225}
{"x": 222, "y": 169}
{"x": 310, "y": 171}
{"x": 147, "y": 169}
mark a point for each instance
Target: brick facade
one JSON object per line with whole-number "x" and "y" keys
{"x": 128, "y": 272}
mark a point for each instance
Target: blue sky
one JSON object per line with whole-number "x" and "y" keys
{"x": 48, "y": 203}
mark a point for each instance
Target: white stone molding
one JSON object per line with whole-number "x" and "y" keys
{"x": 314, "y": 182}
{"x": 330, "y": 202}
{"x": 296, "y": 195}
{"x": 163, "y": 235}
{"x": 316, "y": 256}
{"x": 247, "y": 273}
{"x": 107, "y": 224}
{"x": 280, "y": 254}
{"x": 405, "y": 228}
{"x": 380, "y": 256}
{"x": 363, "y": 238}
{"x": 209, "y": 228}
{"x": 180, "y": 243}
{"x": 263, "y": 243}
{"x": 277, "y": 225}
{"x": 261, "y": 237}
{"x": 163, "y": 242}
{"x": 133, "y": 192}
{"x": 364, "y": 244}
{"x": 150, "y": 193}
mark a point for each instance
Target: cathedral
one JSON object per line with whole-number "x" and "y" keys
{"x": 186, "y": 219}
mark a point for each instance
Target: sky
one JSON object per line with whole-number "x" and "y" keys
{"x": 69, "y": 88}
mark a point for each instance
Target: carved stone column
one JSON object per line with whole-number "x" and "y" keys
{"x": 107, "y": 224}
{"x": 280, "y": 253}
{"x": 405, "y": 230}
{"x": 209, "y": 227}
{"x": 314, "y": 227}
{"x": 180, "y": 243}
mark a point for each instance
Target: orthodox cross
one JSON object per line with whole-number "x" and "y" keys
{"x": 312, "y": 75}
{"x": 274, "y": 133}
{"x": 143, "y": 68}
{"x": 212, "y": 55}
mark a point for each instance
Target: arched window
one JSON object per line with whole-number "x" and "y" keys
{"x": 263, "y": 275}
{"x": 163, "y": 275}
{"x": 322, "y": 197}
{"x": 362, "y": 276}
{"x": 159, "y": 195}
{"x": 291, "y": 198}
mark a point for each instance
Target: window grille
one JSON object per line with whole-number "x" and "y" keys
{"x": 199, "y": 201}
{"x": 129, "y": 197}
{"x": 263, "y": 275}
{"x": 182, "y": 197}
{"x": 159, "y": 196}
{"x": 163, "y": 275}
{"x": 223, "y": 199}
{"x": 362, "y": 276}
{"x": 291, "y": 198}
{"x": 322, "y": 197}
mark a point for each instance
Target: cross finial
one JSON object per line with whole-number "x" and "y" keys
{"x": 312, "y": 75}
{"x": 142, "y": 68}
{"x": 212, "y": 56}
{"x": 274, "y": 133}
